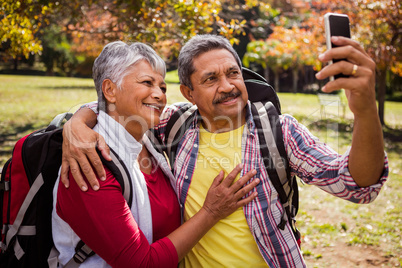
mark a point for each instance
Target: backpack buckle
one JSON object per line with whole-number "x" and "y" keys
{"x": 4, "y": 186}
{"x": 82, "y": 252}
{"x": 283, "y": 222}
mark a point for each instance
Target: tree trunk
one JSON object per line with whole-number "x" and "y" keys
{"x": 295, "y": 72}
{"x": 15, "y": 64}
{"x": 276, "y": 81}
{"x": 382, "y": 76}
{"x": 266, "y": 74}
{"x": 49, "y": 68}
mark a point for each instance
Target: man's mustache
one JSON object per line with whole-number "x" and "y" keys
{"x": 226, "y": 96}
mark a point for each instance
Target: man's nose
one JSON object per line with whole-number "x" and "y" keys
{"x": 225, "y": 85}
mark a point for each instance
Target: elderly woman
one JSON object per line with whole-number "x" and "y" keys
{"x": 129, "y": 81}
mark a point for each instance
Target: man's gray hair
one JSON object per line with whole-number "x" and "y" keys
{"x": 115, "y": 61}
{"x": 196, "y": 46}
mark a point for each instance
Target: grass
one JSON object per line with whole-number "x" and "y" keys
{"x": 327, "y": 223}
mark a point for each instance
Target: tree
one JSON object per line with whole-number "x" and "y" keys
{"x": 20, "y": 21}
{"x": 287, "y": 48}
{"x": 270, "y": 55}
{"x": 377, "y": 26}
{"x": 297, "y": 49}
{"x": 380, "y": 31}
{"x": 158, "y": 22}
{"x": 92, "y": 23}
{"x": 57, "y": 51}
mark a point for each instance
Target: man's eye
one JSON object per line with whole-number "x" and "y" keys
{"x": 147, "y": 82}
{"x": 234, "y": 73}
{"x": 164, "y": 89}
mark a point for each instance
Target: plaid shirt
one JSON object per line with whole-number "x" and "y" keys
{"x": 311, "y": 160}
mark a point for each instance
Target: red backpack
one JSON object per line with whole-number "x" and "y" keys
{"x": 26, "y": 199}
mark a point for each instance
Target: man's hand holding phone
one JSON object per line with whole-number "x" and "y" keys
{"x": 336, "y": 25}
{"x": 347, "y": 57}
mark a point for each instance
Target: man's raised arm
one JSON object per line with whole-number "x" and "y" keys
{"x": 79, "y": 150}
{"x": 366, "y": 158}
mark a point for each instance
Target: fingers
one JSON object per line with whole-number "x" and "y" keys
{"x": 104, "y": 149}
{"x": 86, "y": 168}
{"x": 234, "y": 187}
{"x": 93, "y": 162}
{"x": 343, "y": 41}
{"x": 96, "y": 163}
{"x": 244, "y": 191}
{"x": 77, "y": 175}
{"x": 355, "y": 63}
{"x": 80, "y": 155}
{"x": 218, "y": 179}
{"x": 360, "y": 78}
{"x": 65, "y": 167}
{"x": 248, "y": 199}
{"x": 350, "y": 50}
{"x": 243, "y": 180}
{"x": 232, "y": 175}
{"x": 239, "y": 189}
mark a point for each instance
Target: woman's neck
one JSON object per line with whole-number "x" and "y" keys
{"x": 145, "y": 161}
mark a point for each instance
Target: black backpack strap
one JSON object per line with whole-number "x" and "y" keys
{"x": 259, "y": 90}
{"x": 155, "y": 140}
{"x": 177, "y": 125}
{"x": 274, "y": 157}
{"x": 120, "y": 172}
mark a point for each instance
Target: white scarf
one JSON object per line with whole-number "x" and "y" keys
{"x": 128, "y": 149}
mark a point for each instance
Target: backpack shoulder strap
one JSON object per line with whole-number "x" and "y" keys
{"x": 258, "y": 89}
{"x": 120, "y": 172}
{"x": 269, "y": 129}
{"x": 177, "y": 125}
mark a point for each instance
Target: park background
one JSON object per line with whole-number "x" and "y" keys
{"x": 47, "y": 50}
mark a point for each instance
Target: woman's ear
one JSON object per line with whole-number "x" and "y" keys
{"x": 187, "y": 93}
{"x": 109, "y": 90}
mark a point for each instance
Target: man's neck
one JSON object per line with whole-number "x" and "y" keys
{"x": 224, "y": 125}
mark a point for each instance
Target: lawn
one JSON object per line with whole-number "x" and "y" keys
{"x": 336, "y": 233}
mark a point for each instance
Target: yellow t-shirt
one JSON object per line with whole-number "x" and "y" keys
{"x": 230, "y": 242}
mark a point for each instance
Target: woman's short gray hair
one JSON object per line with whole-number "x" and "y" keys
{"x": 116, "y": 59}
{"x": 196, "y": 46}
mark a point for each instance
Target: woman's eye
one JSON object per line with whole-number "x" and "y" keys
{"x": 164, "y": 89}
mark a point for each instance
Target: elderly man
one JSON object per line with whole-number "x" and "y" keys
{"x": 224, "y": 134}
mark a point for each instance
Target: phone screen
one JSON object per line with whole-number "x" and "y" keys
{"x": 339, "y": 26}
{"x": 336, "y": 25}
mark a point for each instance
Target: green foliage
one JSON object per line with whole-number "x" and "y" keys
{"x": 57, "y": 51}
{"x": 172, "y": 77}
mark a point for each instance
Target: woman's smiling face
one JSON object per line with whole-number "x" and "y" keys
{"x": 141, "y": 99}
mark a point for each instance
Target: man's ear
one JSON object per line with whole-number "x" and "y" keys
{"x": 187, "y": 93}
{"x": 109, "y": 90}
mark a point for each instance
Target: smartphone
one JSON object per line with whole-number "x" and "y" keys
{"x": 336, "y": 25}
